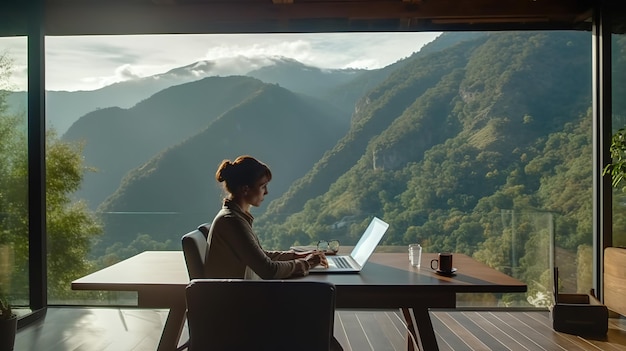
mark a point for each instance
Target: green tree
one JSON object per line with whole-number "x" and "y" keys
{"x": 70, "y": 225}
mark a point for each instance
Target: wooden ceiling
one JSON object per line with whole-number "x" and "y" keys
{"x": 84, "y": 17}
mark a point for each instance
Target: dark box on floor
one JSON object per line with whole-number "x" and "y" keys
{"x": 580, "y": 314}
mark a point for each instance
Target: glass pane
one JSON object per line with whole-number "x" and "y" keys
{"x": 14, "y": 283}
{"x": 619, "y": 122}
{"x": 476, "y": 143}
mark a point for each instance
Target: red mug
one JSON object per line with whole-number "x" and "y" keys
{"x": 443, "y": 262}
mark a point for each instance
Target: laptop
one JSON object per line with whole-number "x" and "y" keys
{"x": 354, "y": 262}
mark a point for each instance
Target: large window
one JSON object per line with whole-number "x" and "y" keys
{"x": 14, "y": 283}
{"x": 478, "y": 143}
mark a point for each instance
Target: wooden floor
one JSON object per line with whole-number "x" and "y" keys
{"x": 127, "y": 329}
{"x": 500, "y": 330}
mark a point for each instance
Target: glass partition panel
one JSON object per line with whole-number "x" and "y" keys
{"x": 14, "y": 283}
{"x": 619, "y": 123}
{"x": 475, "y": 143}
{"x": 523, "y": 246}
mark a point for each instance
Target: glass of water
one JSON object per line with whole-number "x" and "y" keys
{"x": 415, "y": 255}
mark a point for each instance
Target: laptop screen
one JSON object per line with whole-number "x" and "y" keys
{"x": 369, "y": 240}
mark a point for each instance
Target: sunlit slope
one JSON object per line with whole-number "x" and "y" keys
{"x": 448, "y": 141}
{"x": 375, "y": 112}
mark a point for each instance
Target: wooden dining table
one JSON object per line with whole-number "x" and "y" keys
{"x": 388, "y": 281}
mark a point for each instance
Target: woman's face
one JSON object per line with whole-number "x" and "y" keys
{"x": 254, "y": 194}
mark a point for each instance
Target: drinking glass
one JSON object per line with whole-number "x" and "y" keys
{"x": 415, "y": 255}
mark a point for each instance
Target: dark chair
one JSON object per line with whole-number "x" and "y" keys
{"x": 204, "y": 228}
{"x": 260, "y": 314}
{"x": 195, "y": 249}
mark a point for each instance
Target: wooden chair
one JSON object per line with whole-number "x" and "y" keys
{"x": 195, "y": 249}
{"x": 260, "y": 314}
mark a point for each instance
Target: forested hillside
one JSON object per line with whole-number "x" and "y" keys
{"x": 447, "y": 146}
{"x": 374, "y": 113}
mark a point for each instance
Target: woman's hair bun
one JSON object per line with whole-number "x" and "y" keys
{"x": 223, "y": 171}
{"x": 243, "y": 171}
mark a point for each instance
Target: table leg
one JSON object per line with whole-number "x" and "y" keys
{"x": 411, "y": 338}
{"x": 173, "y": 328}
{"x": 421, "y": 328}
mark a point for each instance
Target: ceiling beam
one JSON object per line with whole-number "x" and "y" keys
{"x": 67, "y": 17}
{"x": 84, "y": 17}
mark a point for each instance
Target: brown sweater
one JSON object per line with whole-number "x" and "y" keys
{"x": 234, "y": 250}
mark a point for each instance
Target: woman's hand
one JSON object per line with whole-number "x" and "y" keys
{"x": 315, "y": 258}
{"x": 302, "y": 254}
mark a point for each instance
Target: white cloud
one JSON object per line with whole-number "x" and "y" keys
{"x": 90, "y": 62}
{"x": 296, "y": 49}
{"x": 239, "y": 64}
{"x": 121, "y": 73}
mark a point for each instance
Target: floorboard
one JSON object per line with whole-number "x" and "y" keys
{"x": 393, "y": 328}
{"x": 132, "y": 329}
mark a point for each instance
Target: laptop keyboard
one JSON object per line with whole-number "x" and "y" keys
{"x": 342, "y": 262}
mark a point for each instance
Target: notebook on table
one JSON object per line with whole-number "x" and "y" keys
{"x": 354, "y": 262}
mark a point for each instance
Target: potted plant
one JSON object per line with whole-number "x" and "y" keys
{"x": 8, "y": 326}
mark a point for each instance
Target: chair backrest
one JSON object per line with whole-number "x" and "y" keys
{"x": 194, "y": 249}
{"x": 260, "y": 314}
{"x": 204, "y": 228}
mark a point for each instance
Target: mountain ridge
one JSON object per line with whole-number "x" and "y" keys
{"x": 180, "y": 179}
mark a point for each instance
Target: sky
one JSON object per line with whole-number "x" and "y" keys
{"x": 91, "y": 62}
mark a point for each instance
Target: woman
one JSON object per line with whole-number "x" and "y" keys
{"x": 234, "y": 249}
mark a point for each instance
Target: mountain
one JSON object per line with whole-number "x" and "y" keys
{"x": 283, "y": 129}
{"x": 348, "y": 93}
{"x": 312, "y": 81}
{"x": 338, "y": 89}
{"x": 63, "y": 108}
{"x": 118, "y": 140}
{"x": 374, "y": 113}
{"x": 449, "y": 39}
{"x": 453, "y": 134}
{"x": 177, "y": 113}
